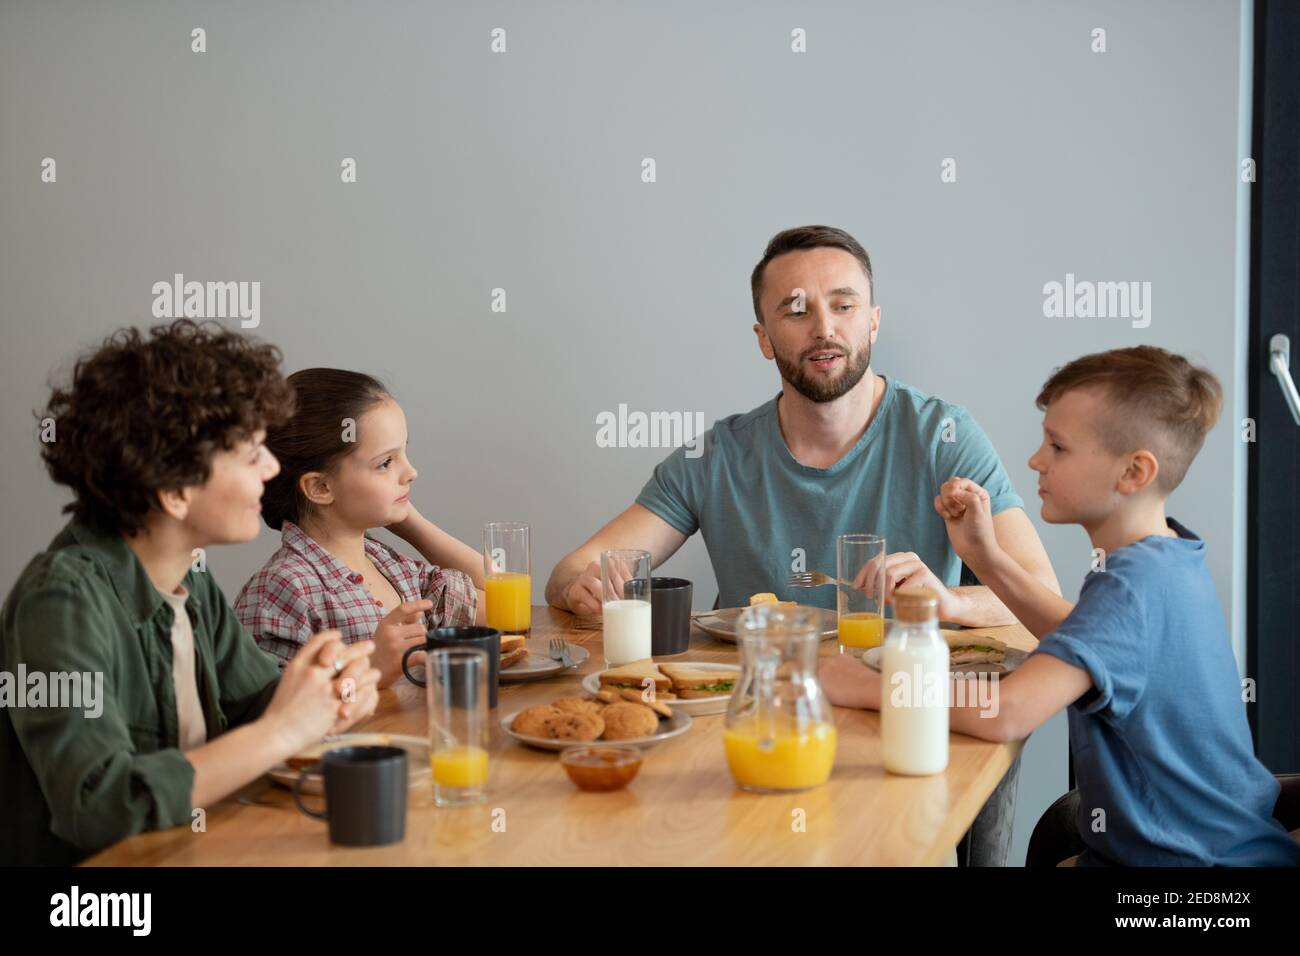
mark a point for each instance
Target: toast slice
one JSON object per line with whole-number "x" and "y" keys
{"x": 695, "y": 682}
{"x": 511, "y": 658}
{"x": 632, "y": 675}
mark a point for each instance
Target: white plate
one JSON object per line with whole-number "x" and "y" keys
{"x": 417, "y": 759}
{"x": 669, "y": 727}
{"x": 871, "y": 657}
{"x": 699, "y": 706}
{"x": 722, "y": 622}
{"x": 536, "y": 666}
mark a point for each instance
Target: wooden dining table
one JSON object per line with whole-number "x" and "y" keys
{"x": 682, "y": 809}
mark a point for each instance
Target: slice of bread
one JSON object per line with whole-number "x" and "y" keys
{"x": 632, "y": 675}
{"x": 689, "y": 682}
{"x": 511, "y": 658}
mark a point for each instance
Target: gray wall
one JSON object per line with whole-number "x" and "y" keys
{"x": 522, "y": 170}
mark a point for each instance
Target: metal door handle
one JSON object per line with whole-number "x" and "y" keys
{"x": 1279, "y": 360}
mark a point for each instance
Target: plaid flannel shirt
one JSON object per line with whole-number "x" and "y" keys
{"x": 304, "y": 589}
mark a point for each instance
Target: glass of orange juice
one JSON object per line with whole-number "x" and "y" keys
{"x": 456, "y": 680}
{"x": 860, "y": 568}
{"x": 507, "y": 568}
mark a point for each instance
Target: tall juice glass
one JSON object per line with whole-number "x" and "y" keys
{"x": 456, "y": 681}
{"x": 860, "y": 567}
{"x": 507, "y": 568}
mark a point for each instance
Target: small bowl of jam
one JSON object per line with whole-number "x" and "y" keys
{"x": 601, "y": 769}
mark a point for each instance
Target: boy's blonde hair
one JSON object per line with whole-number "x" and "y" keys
{"x": 1154, "y": 400}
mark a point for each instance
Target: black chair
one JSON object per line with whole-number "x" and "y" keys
{"x": 1056, "y": 835}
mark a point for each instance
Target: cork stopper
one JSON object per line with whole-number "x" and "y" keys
{"x": 916, "y": 605}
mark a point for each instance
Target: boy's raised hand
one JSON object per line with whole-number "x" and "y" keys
{"x": 964, "y": 507}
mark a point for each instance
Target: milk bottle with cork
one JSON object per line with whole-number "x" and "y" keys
{"x": 914, "y": 687}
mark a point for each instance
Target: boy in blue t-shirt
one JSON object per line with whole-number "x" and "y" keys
{"x": 1163, "y": 755}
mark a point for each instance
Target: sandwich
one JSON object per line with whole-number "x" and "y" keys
{"x": 512, "y": 650}
{"x": 632, "y": 675}
{"x": 313, "y": 755}
{"x": 964, "y": 648}
{"x": 693, "y": 682}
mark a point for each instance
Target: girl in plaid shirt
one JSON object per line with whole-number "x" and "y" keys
{"x": 344, "y": 470}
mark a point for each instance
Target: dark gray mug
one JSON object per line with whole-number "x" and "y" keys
{"x": 484, "y": 638}
{"x": 670, "y": 615}
{"x": 365, "y": 795}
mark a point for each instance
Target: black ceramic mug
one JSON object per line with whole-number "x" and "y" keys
{"x": 365, "y": 795}
{"x": 484, "y": 638}
{"x": 670, "y": 615}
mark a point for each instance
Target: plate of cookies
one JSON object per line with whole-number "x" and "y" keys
{"x": 592, "y": 721}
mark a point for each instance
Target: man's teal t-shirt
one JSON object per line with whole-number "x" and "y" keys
{"x": 760, "y": 510}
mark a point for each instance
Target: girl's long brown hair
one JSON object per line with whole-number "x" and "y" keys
{"x": 314, "y": 438}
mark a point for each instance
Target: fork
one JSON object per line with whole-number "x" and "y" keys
{"x": 559, "y": 649}
{"x": 813, "y": 579}
{"x": 255, "y": 802}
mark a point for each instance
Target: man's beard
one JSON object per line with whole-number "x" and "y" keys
{"x": 819, "y": 389}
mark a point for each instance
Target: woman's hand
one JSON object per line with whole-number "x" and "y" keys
{"x": 307, "y": 703}
{"x": 358, "y": 688}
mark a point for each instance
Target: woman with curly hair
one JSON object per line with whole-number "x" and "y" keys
{"x": 160, "y": 439}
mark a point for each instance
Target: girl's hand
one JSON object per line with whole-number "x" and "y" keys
{"x": 402, "y": 628}
{"x": 412, "y": 520}
{"x": 964, "y": 507}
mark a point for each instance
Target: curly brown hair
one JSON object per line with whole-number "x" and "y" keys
{"x": 142, "y": 415}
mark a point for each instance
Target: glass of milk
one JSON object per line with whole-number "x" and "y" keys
{"x": 914, "y": 687}
{"x": 625, "y": 577}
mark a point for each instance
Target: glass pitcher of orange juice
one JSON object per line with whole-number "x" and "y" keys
{"x": 779, "y": 735}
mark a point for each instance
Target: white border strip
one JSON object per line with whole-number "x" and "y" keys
{"x": 1240, "y": 399}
